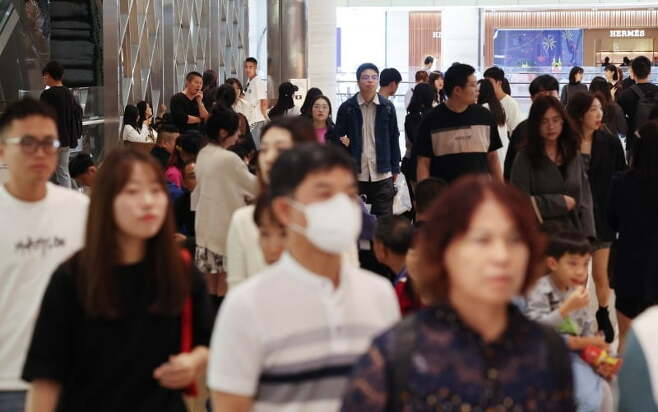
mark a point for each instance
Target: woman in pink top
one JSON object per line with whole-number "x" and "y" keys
{"x": 187, "y": 147}
{"x": 321, "y": 116}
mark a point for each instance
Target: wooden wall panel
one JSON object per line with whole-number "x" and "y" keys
{"x": 422, "y": 43}
{"x": 564, "y": 19}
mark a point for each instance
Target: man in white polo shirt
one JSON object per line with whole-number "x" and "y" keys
{"x": 286, "y": 339}
{"x": 42, "y": 225}
{"x": 255, "y": 94}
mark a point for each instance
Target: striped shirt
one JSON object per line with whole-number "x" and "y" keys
{"x": 288, "y": 338}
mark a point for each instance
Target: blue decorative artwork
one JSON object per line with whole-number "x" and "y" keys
{"x": 532, "y": 48}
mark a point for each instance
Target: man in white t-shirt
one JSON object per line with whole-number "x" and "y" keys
{"x": 42, "y": 225}
{"x": 287, "y": 338}
{"x": 255, "y": 94}
{"x": 496, "y": 75}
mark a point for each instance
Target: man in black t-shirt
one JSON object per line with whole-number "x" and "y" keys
{"x": 458, "y": 137}
{"x": 187, "y": 108}
{"x": 62, "y": 101}
{"x": 629, "y": 98}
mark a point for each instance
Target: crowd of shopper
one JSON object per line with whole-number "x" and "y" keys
{"x": 218, "y": 260}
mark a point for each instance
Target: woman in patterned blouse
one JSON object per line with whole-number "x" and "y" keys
{"x": 472, "y": 350}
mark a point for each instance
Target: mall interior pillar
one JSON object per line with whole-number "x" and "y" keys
{"x": 322, "y": 47}
{"x": 286, "y": 41}
{"x": 460, "y": 36}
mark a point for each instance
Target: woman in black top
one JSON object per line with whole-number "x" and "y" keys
{"x": 421, "y": 102}
{"x": 615, "y": 78}
{"x": 209, "y": 88}
{"x": 574, "y": 86}
{"x": 549, "y": 169}
{"x": 472, "y": 350}
{"x": 603, "y": 156}
{"x": 124, "y": 324}
{"x": 632, "y": 213}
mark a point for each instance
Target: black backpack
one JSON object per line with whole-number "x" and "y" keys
{"x": 644, "y": 106}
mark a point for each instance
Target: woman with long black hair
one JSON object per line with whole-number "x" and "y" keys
{"x": 209, "y": 88}
{"x": 487, "y": 98}
{"x": 436, "y": 81}
{"x": 133, "y": 130}
{"x": 421, "y": 102}
{"x": 550, "y": 170}
{"x": 307, "y": 106}
{"x": 614, "y": 119}
{"x": 285, "y": 105}
{"x": 603, "y": 157}
{"x": 615, "y": 78}
{"x": 146, "y": 119}
{"x": 125, "y": 323}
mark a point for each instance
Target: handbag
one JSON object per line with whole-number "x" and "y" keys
{"x": 194, "y": 395}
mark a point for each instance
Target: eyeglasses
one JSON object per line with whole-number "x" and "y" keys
{"x": 374, "y": 77}
{"x": 320, "y": 107}
{"x": 30, "y": 144}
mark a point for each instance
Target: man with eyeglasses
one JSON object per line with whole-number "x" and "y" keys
{"x": 42, "y": 225}
{"x": 369, "y": 121}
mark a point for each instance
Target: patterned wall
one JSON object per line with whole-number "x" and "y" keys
{"x": 151, "y": 44}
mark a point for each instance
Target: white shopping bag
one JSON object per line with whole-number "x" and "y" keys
{"x": 402, "y": 200}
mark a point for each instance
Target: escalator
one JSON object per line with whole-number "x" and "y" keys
{"x": 33, "y": 32}
{"x": 76, "y": 39}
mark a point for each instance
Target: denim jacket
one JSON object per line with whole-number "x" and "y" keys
{"x": 349, "y": 122}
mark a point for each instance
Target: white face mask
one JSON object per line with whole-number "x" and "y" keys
{"x": 333, "y": 225}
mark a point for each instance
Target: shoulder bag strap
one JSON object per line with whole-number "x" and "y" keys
{"x": 187, "y": 332}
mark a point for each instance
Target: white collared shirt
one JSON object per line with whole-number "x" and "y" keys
{"x": 288, "y": 338}
{"x": 255, "y": 91}
{"x": 369, "y": 153}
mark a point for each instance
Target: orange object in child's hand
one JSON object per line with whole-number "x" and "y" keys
{"x": 606, "y": 365}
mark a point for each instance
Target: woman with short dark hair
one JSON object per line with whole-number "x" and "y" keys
{"x": 575, "y": 84}
{"x": 224, "y": 184}
{"x": 472, "y": 349}
{"x": 125, "y": 323}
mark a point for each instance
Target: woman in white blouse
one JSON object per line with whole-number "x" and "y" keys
{"x": 133, "y": 131}
{"x": 240, "y": 105}
{"x": 244, "y": 257}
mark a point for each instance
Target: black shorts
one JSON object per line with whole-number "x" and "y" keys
{"x": 631, "y": 307}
